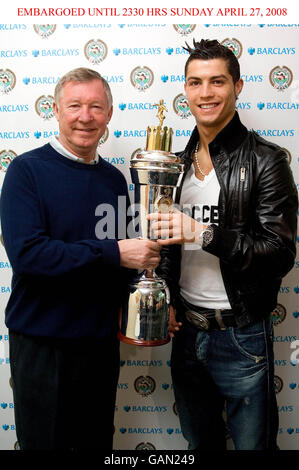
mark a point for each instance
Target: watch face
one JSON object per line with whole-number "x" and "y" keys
{"x": 207, "y": 236}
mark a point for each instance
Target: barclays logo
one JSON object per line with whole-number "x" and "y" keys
{"x": 135, "y": 106}
{"x": 243, "y": 106}
{"x": 14, "y": 135}
{"x": 5, "y": 290}
{"x": 55, "y": 52}
{"x": 280, "y": 362}
{"x": 252, "y": 78}
{"x": 5, "y": 265}
{"x": 278, "y": 105}
{"x": 10, "y": 54}
{"x": 275, "y": 132}
{"x": 291, "y": 431}
{"x": 123, "y": 386}
{"x": 175, "y": 51}
{"x": 45, "y": 134}
{"x": 144, "y": 363}
{"x": 183, "y": 133}
{"x": 173, "y": 78}
{"x": 272, "y": 50}
{"x": 8, "y": 427}
{"x": 14, "y": 108}
{"x": 13, "y": 27}
{"x": 130, "y": 133}
{"x": 284, "y": 339}
{"x": 285, "y": 409}
{"x": 145, "y": 409}
{"x": 279, "y": 25}
{"x": 115, "y": 160}
{"x": 137, "y": 51}
{"x": 6, "y": 406}
{"x": 145, "y": 430}
{"x": 166, "y": 386}
{"x": 88, "y": 26}
{"x": 114, "y": 78}
{"x": 294, "y": 386}
{"x": 41, "y": 80}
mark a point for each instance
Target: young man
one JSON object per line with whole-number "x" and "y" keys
{"x": 224, "y": 264}
{"x": 67, "y": 284}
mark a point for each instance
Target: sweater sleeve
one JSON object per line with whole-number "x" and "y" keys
{"x": 29, "y": 248}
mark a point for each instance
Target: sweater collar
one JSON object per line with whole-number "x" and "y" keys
{"x": 228, "y": 139}
{"x": 66, "y": 153}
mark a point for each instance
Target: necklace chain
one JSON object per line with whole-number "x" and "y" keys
{"x": 197, "y": 162}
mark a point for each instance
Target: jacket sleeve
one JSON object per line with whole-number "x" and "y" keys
{"x": 269, "y": 246}
{"x": 169, "y": 269}
{"x": 29, "y": 248}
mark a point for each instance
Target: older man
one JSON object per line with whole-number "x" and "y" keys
{"x": 67, "y": 284}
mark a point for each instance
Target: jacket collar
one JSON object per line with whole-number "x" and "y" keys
{"x": 228, "y": 139}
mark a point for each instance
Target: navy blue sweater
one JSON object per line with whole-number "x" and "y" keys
{"x": 66, "y": 283}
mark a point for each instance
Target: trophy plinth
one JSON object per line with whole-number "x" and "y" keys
{"x": 156, "y": 173}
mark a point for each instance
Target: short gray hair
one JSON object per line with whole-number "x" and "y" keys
{"x": 82, "y": 74}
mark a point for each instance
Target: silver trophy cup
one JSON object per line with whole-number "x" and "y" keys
{"x": 156, "y": 174}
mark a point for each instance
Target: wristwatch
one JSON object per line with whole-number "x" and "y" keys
{"x": 207, "y": 236}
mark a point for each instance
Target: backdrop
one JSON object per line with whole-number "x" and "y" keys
{"x": 144, "y": 63}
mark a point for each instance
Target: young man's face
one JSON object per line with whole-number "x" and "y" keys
{"x": 211, "y": 93}
{"x": 83, "y": 114}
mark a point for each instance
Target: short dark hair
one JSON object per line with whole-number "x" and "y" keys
{"x": 208, "y": 49}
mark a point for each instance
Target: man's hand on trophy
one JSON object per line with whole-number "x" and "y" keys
{"x": 173, "y": 325}
{"x": 175, "y": 227}
{"x": 138, "y": 253}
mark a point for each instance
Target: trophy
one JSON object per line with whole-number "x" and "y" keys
{"x": 156, "y": 173}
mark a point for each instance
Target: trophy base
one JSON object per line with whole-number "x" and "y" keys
{"x": 143, "y": 318}
{"x": 141, "y": 342}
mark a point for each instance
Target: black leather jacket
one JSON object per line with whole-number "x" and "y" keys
{"x": 255, "y": 238}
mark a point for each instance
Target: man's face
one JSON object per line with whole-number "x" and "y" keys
{"x": 83, "y": 115}
{"x": 211, "y": 93}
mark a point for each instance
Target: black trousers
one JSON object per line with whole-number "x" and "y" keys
{"x": 64, "y": 391}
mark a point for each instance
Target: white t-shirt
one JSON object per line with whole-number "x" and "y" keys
{"x": 201, "y": 281}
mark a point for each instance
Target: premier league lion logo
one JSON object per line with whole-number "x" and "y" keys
{"x": 144, "y": 385}
{"x": 281, "y": 78}
{"x": 234, "y": 45}
{"x": 6, "y": 157}
{"x": 142, "y": 78}
{"x": 44, "y": 30}
{"x": 7, "y": 81}
{"x": 184, "y": 29}
{"x": 44, "y": 107}
{"x": 278, "y": 314}
{"x": 95, "y": 51}
{"x": 181, "y": 106}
